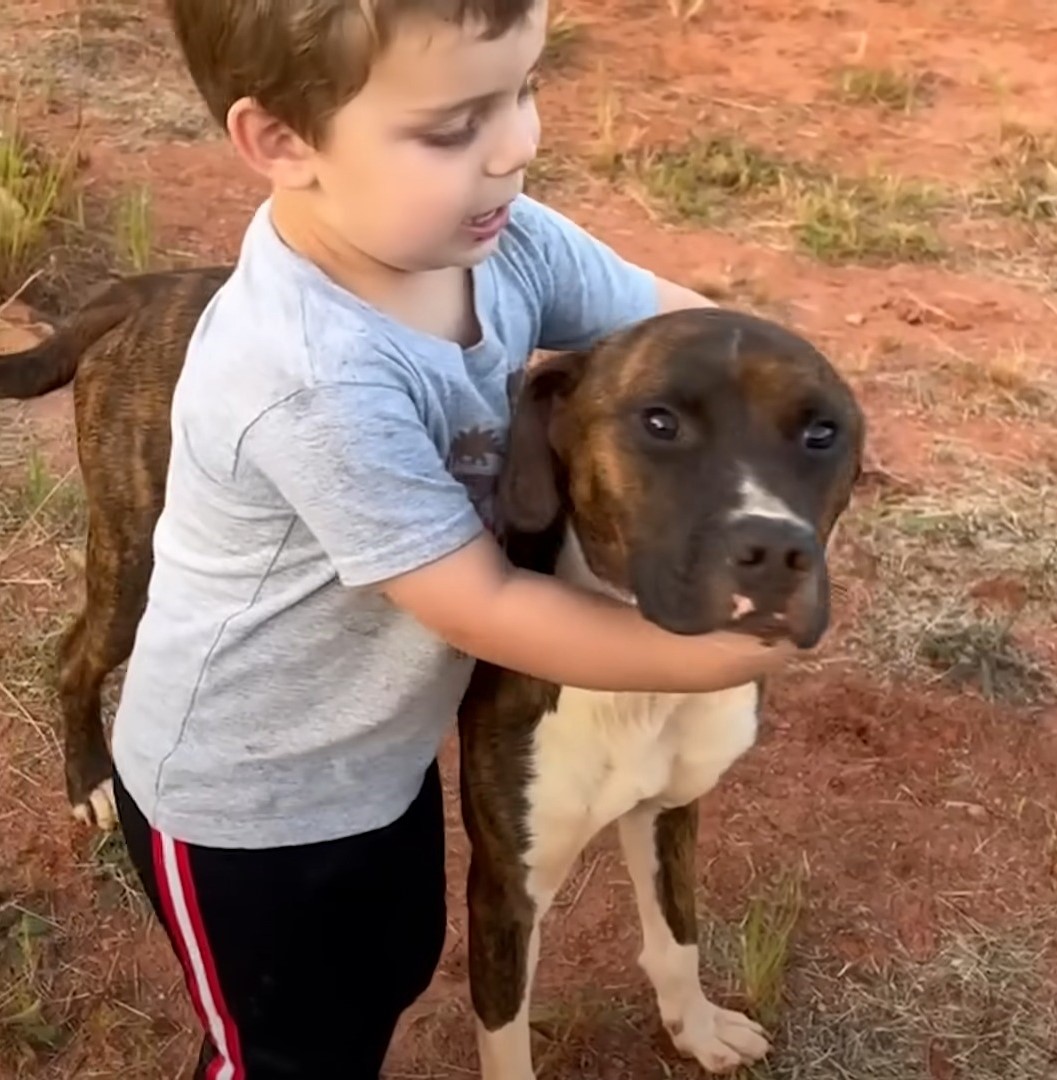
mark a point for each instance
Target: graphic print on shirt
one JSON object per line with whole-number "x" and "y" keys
{"x": 475, "y": 459}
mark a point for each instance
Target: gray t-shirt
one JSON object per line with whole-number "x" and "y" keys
{"x": 273, "y": 695}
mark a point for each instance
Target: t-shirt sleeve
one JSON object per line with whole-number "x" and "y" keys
{"x": 589, "y": 291}
{"x": 357, "y": 465}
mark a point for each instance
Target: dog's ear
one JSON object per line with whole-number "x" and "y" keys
{"x": 530, "y": 483}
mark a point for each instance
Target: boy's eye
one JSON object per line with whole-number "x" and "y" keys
{"x": 446, "y": 140}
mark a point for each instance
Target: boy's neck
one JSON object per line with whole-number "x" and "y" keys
{"x": 437, "y": 302}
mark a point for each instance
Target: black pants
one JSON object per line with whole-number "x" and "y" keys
{"x": 300, "y": 960}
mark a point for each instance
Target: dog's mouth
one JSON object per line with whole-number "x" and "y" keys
{"x": 801, "y": 616}
{"x": 772, "y": 626}
{"x": 747, "y": 618}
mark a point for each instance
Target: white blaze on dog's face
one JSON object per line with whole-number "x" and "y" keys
{"x": 703, "y": 458}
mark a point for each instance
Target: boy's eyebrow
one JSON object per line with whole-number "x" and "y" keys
{"x": 456, "y": 108}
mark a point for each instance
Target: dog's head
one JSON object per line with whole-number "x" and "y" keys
{"x": 702, "y": 459}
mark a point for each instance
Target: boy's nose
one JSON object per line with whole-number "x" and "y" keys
{"x": 517, "y": 144}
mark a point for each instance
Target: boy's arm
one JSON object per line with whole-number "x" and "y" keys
{"x": 673, "y": 297}
{"x": 540, "y": 626}
{"x": 357, "y": 466}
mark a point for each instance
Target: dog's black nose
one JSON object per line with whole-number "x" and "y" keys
{"x": 771, "y": 553}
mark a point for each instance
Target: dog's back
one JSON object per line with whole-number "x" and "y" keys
{"x": 146, "y": 316}
{"x": 123, "y": 349}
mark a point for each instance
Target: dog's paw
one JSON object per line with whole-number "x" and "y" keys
{"x": 99, "y": 808}
{"x": 720, "y": 1040}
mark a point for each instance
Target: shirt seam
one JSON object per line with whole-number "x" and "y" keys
{"x": 287, "y": 398}
{"x": 221, "y": 631}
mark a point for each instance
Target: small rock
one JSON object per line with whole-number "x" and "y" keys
{"x": 856, "y": 318}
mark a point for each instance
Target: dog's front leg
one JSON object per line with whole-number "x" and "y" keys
{"x": 504, "y": 949}
{"x": 660, "y": 850}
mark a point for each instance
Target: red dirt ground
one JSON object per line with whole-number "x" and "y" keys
{"x": 913, "y": 811}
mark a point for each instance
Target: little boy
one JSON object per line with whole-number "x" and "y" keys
{"x": 325, "y": 573}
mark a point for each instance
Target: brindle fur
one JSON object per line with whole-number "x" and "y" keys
{"x": 124, "y": 350}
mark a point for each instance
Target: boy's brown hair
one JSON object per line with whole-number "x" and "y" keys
{"x": 301, "y": 60}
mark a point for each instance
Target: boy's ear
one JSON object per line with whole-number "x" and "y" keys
{"x": 269, "y": 147}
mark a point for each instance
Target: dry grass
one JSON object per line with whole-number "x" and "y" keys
{"x": 765, "y": 944}
{"x": 725, "y": 180}
{"x": 113, "y": 59}
{"x": 36, "y": 505}
{"x": 696, "y": 182}
{"x": 1026, "y": 183}
{"x": 134, "y": 231}
{"x": 1010, "y": 383}
{"x": 931, "y": 553}
{"x": 544, "y": 172}
{"x": 52, "y": 240}
{"x": 901, "y": 91}
{"x": 116, "y": 883}
{"x": 874, "y": 219}
{"x": 980, "y": 1008}
{"x": 36, "y": 193}
{"x": 42, "y": 519}
{"x": 32, "y": 1023}
{"x": 565, "y": 37}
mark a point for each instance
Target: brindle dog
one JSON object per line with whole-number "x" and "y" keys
{"x": 123, "y": 349}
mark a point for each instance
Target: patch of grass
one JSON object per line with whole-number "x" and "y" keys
{"x": 877, "y": 220}
{"x": 565, "y": 36}
{"x": 929, "y": 554}
{"x": 1007, "y": 382}
{"x": 580, "y": 1015}
{"x": 134, "y": 229}
{"x": 695, "y": 182}
{"x": 28, "y": 1027}
{"x": 115, "y": 875}
{"x": 41, "y": 503}
{"x": 874, "y": 219}
{"x": 36, "y": 188}
{"x": 751, "y": 955}
{"x": 544, "y": 171}
{"x": 891, "y": 89}
{"x": 969, "y": 647}
{"x": 608, "y": 153}
{"x": 110, "y": 15}
{"x": 766, "y": 936}
{"x": 27, "y": 663}
{"x": 981, "y": 1008}
{"x": 1026, "y": 186}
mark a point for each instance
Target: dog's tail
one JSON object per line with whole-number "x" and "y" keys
{"x": 53, "y": 363}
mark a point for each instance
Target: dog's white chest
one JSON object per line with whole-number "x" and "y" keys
{"x": 599, "y": 755}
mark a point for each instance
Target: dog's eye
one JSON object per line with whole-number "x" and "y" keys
{"x": 820, "y": 435}
{"x": 661, "y": 423}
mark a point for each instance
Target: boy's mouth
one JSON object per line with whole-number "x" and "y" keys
{"x": 485, "y": 226}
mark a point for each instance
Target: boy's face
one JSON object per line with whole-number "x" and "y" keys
{"x": 419, "y": 168}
